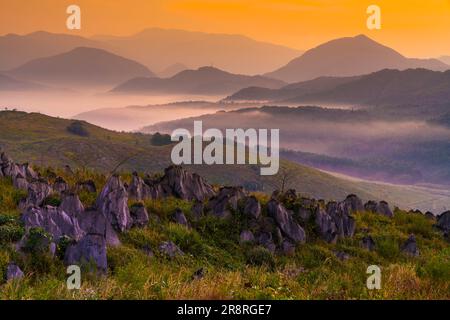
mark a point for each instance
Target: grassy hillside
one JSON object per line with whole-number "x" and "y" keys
{"x": 45, "y": 141}
{"x": 231, "y": 270}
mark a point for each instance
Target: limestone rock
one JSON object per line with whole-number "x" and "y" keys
{"x": 113, "y": 203}
{"x": 285, "y": 222}
{"x": 140, "y": 215}
{"x": 410, "y": 247}
{"x": 13, "y": 272}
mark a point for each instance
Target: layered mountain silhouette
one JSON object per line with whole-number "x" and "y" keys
{"x": 10, "y": 84}
{"x": 15, "y": 50}
{"x": 159, "y": 48}
{"x": 205, "y": 80}
{"x": 385, "y": 87}
{"x": 349, "y": 57}
{"x": 84, "y": 66}
{"x": 445, "y": 59}
{"x": 172, "y": 70}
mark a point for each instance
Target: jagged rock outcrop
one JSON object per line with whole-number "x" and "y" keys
{"x": 325, "y": 225}
{"x": 246, "y": 237}
{"x": 170, "y": 249}
{"x": 90, "y": 249}
{"x": 86, "y": 186}
{"x": 95, "y": 223}
{"x": 252, "y": 207}
{"x": 352, "y": 204}
{"x": 381, "y": 207}
{"x": 285, "y": 221}
{"x": 140, "y": 215}
{"x": 13, "y": 272}
{"x": 197, "y": 210}
{"x": 113, "y": 203}
{"x": 410, "y": 247}
{"x": 20, "y": 182}
{"x": 265, "y": 239}
{"x": 226, "y": 200}
{"x": 38, "y": 191}
{"x": 138, "y": 190}
{"x": 341, "y": 215}
{"x": 180, "y": 218}
{"x": 71, "y": 204}
{"x": 443, "y": 221}
{"x": 185, "y": 185}
{"x": 60, "y": 186}
{"x": 54, "y": 221}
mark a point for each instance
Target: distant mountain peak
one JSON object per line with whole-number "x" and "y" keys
{"x": 349, "y": 56}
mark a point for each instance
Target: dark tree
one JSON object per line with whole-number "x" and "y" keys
{"x": 78, "y": 129}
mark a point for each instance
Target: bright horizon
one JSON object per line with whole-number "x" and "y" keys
{"x": 414, "y": 28}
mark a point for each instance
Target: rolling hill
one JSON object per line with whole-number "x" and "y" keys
{"x": 45, "y": 141}
{"x": 383, "y": 88}
{"x": 10, "y": 84}
{"x": 160, "y": 48}
{"x": 205, "y": 80}
{"x": 81, "y": 66}
{"x": 16, "y": 50}
{"x": 349, "y": 57}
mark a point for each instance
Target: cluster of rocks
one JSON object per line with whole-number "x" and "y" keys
{"x": 89, "y": 231}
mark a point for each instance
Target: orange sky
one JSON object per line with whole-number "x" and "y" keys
{"x": 415, "y": 28}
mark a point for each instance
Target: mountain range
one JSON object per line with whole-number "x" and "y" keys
{"x": 156, "y": 48}
{"x": 349, "y": 57}
{"x": 385, "y": 87}
{"x": 10, "y": 84}
{"x": 205, "y": 80}
{"x": 83, "y": 65}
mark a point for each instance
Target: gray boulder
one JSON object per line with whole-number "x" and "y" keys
{"x": 38, "y": 191}
{"x": 90, "y": 249}
{"x": 180, "y": 218}
{"x": 226, "y": 200}
{"x": 13, "y": 272}
{"x": 113, "y": 203}
{"x": 138, "y": 189}
{"x": 54, "y": 221}
{"x": 60, "y": 186}
{"x": 20, "y": 182}
{"x": 285, "y": 222}
{"x": 197, "y": 210}
{"x": 246, "y": 237}
{"x": 325, "y": 225}
{"x": 140, "y": 215}
{"x": 170, "y": 249}
{"x": 265, "y": 239}
{"x": 410, "y": 247}
{"x": 185, "y": 185}
{"x": 341, "y": 215}
{"x": 381, "y": 207}
{"x": 95, "y": 223}
{"x": 86, "y": 186}
{"x": 252, "y": 208}
{"x": 443, "y": 221}
{"x": 71, "y": 204}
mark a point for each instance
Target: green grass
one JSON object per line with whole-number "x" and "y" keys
{"x": 234, "y": 271}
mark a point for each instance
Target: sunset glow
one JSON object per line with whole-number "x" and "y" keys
{"x": 415, "y": 28}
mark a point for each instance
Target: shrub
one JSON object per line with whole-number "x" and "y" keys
{"x": 159, "y": 139}
{"x": 260, "y": 256}
{"x": 52, "y": 200}
{"x": 77, "y": 128}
